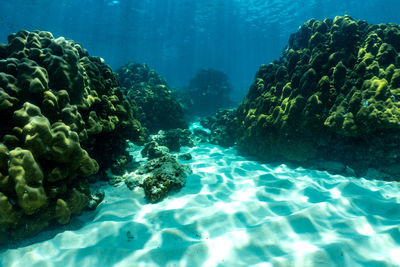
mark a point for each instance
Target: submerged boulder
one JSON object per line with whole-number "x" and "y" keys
{"x": 159, "y": 176}
{"x": 333, "y": 94}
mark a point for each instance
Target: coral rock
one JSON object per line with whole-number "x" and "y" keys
{"x": 63, "y": 114}
{"x": 157, "y": 109}
{"x": 161, "y": 176}
{"x": 28, "y": 179}
{"x": 333, "y": 94}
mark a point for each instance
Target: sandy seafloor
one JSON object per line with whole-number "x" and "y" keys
{"x": 232, "y": 212}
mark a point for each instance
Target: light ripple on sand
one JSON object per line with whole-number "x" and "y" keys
{"x": 234, "y": 212}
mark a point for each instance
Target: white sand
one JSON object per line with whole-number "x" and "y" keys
{"x": 233, "y": 212}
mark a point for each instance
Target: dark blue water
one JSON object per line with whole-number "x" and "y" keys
{"x": 177, "y": 37}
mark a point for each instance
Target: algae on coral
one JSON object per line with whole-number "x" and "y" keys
{"x": 334, "y": 93}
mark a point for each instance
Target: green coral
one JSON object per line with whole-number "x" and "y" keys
{"x": 157, "y": 108}
{"x": 64, "y": 117}
{"x": 335, "y": 88}
{"x": 27, "y": 176}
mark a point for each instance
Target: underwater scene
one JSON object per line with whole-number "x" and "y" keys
{"x": 199, "y": 133}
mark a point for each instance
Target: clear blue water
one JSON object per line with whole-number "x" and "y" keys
{"x": 233, "y": 211}
{"x": 177, "y": 37}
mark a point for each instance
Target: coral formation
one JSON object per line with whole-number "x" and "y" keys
{"x": 159, "y": 177}
{"x": 209, "y": 90}
{"x": 173, "y": 139}
{"x": 63, "y": 116}
{"x": 157, "y": 108}
{"x": 161, "y": 173}
{"x": 153, "y": 150}
{"x": 333, "y": 94}
{"x": 222, "y": 127}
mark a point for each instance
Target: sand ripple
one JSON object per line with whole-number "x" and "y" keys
{"x": 234, "y": 212}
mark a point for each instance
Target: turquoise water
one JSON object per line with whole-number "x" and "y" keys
{"x": 232, "y": 212}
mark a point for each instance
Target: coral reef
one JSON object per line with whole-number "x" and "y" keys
{"x": 209, "y": 90}
{"x": 201, "y": 134}
{"x": 173, "y": 139}
{"x": 222, "y": 127}
{"x": 64, "y": 116}
{"x": 159, "y": 176}
{"x": 153, "y": 150}
{"x": 157, "y": 108}
{"x": 161, "y": 173}
{"x": 333, "y": 94}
